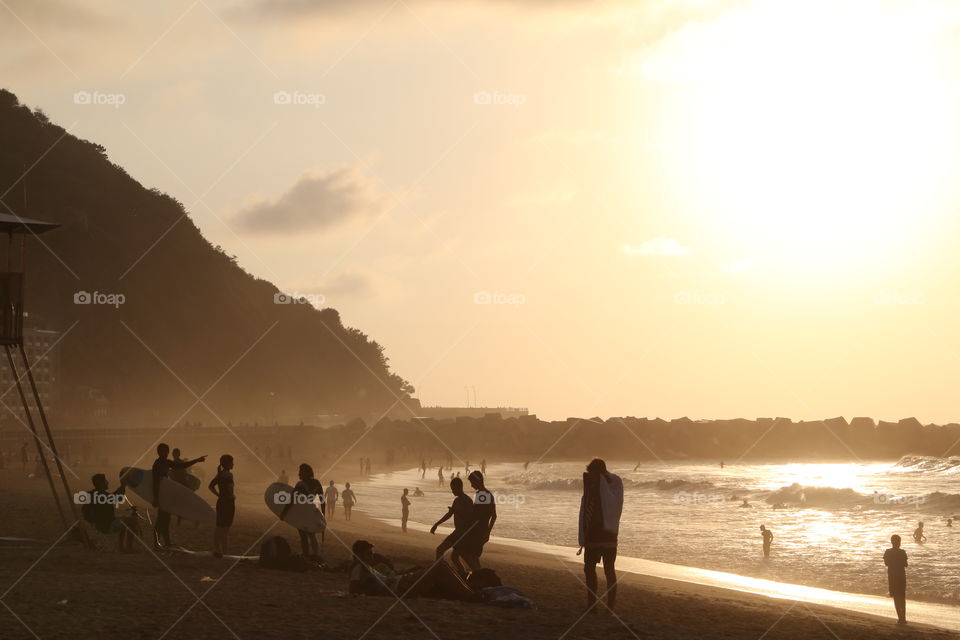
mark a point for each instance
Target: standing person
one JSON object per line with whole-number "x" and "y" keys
{"x": 767, "y": 540}
{"x": 440, "y": 476}
{"x": 600, "y": 508}
{"x": 918, "y": 536}
{"x": 404, "y": 510}
{"x": 896, "y": 560}
{"x": 484, "y": 516}
{"x": 310, "y": 488}
{"x": 349, "y": 499}
{"x": 462, "y": 513}
{"x": 284, "y": 478}
{"x": 332, "y": 495}
{"x": 161, "y": 469}
{"x": 222, "y": 487}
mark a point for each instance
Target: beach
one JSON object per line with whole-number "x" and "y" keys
{"x": 63, "y": 590}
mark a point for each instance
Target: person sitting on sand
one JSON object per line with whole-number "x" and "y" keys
{"x": 918, "y": 536}
{"x": 437, "y": 581}
{"x": 601, "y": 506}
{"x": 896, "y": 560}
{"x": 222, "y": 487}
{"x": 767, "y": 540}
{"x": 349, "y": 499}
{"x": 462, "y": 513}
{"x": 308, "y": 487}
{"x": 404, "y": 510}
{"x": 99, "y": 507}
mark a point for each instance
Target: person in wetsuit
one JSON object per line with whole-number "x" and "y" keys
{"x": 161, "y": 469}
{"x": 222, "y": 487}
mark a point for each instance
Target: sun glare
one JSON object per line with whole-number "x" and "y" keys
{"x": 834, "y": 146}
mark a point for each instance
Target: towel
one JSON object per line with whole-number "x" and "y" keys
{"x": 602, "y": 498}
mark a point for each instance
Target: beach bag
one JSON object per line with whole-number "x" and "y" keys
{"x": 275, "y": 552}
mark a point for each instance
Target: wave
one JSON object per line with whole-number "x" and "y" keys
{"x": 800, "y": 495}
{"x": 927, "y": 464}
{"x": 547, "y": 482}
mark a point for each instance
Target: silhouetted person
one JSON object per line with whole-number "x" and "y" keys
{"x": 526, "y": 464}
{"x": 767, "y": 540}
{"x": 918, "y": 536}
{"x": 483, "y": 466}
{"x": 222, "y": 487}
{"x": 331, "y": 497}
{"x": 896, "y": 560}
{"x": 600, "y": 508}
{"x": 417, "y": 492}
{"x": 437, "y": 580}
{"x": 484, "y": 515}
{"x": 721, "y": 464}
{"x": 100, "y": 509}
{"x": 440, "y": 476}
{"x": 349, "y": 499}
{"x": 310, "y": 488}
{"x": 949, "y": 522}
{"x": 284, "y": 478}
{"x": 161, "y": 469}
{"x": 462, "y": 513}
{"x": 404, "y": 510}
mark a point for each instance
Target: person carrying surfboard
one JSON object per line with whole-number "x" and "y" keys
{"x": 222, "y": 487}
{"x": 161, "y": 469}
{"x": 307, "y": 491}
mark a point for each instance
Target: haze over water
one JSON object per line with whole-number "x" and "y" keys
{"x": 831, "y": 533}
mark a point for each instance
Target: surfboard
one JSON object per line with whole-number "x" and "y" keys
{"x": 193, "y": 482}
{"x": 306, "y": 517}
{"x": 174, "y": 497}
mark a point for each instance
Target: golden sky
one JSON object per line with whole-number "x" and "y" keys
{"x": 694, "y": 207}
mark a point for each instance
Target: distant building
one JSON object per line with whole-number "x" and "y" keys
{"x": 471, "y": 412}
{"x": 43, "y": 352}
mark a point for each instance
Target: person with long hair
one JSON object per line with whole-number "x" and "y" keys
{"x": 222, "y": 487}
{"x": 310, "y": 488}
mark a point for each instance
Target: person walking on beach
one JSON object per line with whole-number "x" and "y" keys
{"x": 600, "y": 509}
{"x": 484, "y": 516}
{"x": 896, "y": 560}
{"x": 310, "y": 488}
{"x": 918, "y": 536}
{"x": 404, "y": 510}
{"x": 462, "y": 513}
{"x": 767, "y": 540}
{"x": 349, "y": 499}
{"x": 161, "y": 469}
{"x": 332, "y": 495}
{"x": 440, "y": 476}
{"x": 222, "y": 487}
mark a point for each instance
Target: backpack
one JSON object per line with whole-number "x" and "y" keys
{"x": 275, "y": 553}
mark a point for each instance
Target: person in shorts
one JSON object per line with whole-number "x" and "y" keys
{"x": 600, "y": 508}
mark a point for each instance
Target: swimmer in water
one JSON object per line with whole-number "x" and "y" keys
{"x": 918, "y": 536}
{"x": 767, "y": 540}
{"x": 745, "y": 505}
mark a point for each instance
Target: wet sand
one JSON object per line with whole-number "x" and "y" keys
{"x": 64, "y": 591}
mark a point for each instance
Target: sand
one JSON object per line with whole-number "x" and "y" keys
{"x": 65, "y": 591}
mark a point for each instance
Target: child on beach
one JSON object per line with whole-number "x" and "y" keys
{"x": 222, "y": 487}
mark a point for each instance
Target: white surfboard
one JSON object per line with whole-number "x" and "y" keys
{"x": 306, "y": 517}
{"x": 174, "y": 497}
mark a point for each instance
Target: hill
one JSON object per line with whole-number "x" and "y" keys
{"x": 191, "y": 318}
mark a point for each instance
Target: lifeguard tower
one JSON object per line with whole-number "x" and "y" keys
{"x": 11, "y": 337}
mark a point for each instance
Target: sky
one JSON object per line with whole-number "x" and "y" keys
{"x": 703, "y": 208}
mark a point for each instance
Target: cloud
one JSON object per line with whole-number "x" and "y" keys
{"x": 658, "y": 246}
{"x": 316, "y": 201}
{"x": 304, "y": 8}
